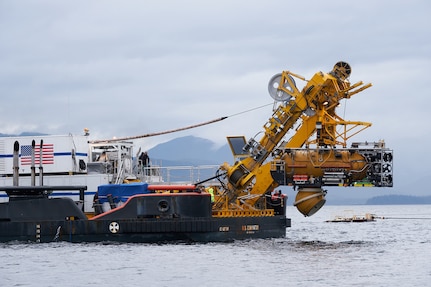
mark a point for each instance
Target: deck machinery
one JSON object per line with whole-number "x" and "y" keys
{"x": 314, "y": 157}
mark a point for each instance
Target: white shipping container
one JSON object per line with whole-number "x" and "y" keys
{"x": 61, "y": 154}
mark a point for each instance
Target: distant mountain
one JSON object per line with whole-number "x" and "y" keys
{"x": 190, "y": 150}
{"x": 399, "y": 199}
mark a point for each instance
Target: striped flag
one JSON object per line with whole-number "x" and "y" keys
{"x": 47, "y": 154}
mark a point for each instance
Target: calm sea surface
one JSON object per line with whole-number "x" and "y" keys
{"x": 395, "y": 251}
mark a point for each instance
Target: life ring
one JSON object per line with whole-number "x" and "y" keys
{"x": 114, "y": 227}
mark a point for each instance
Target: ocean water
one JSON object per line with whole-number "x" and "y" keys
{"x": 395, "y": 251}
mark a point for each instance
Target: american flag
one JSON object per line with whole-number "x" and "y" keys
{"x": 47, "y": 154}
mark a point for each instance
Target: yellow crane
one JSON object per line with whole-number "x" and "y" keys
{"x": 316, "y": 155}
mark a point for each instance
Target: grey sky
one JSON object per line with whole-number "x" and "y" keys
{"x": 124, "y": 68}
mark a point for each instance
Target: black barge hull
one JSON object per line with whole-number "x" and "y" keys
{"x": 31, "y": 216}
{"x": 146, "y": 231}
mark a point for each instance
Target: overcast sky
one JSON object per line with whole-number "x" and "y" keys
{"x": 125, "y": 68}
